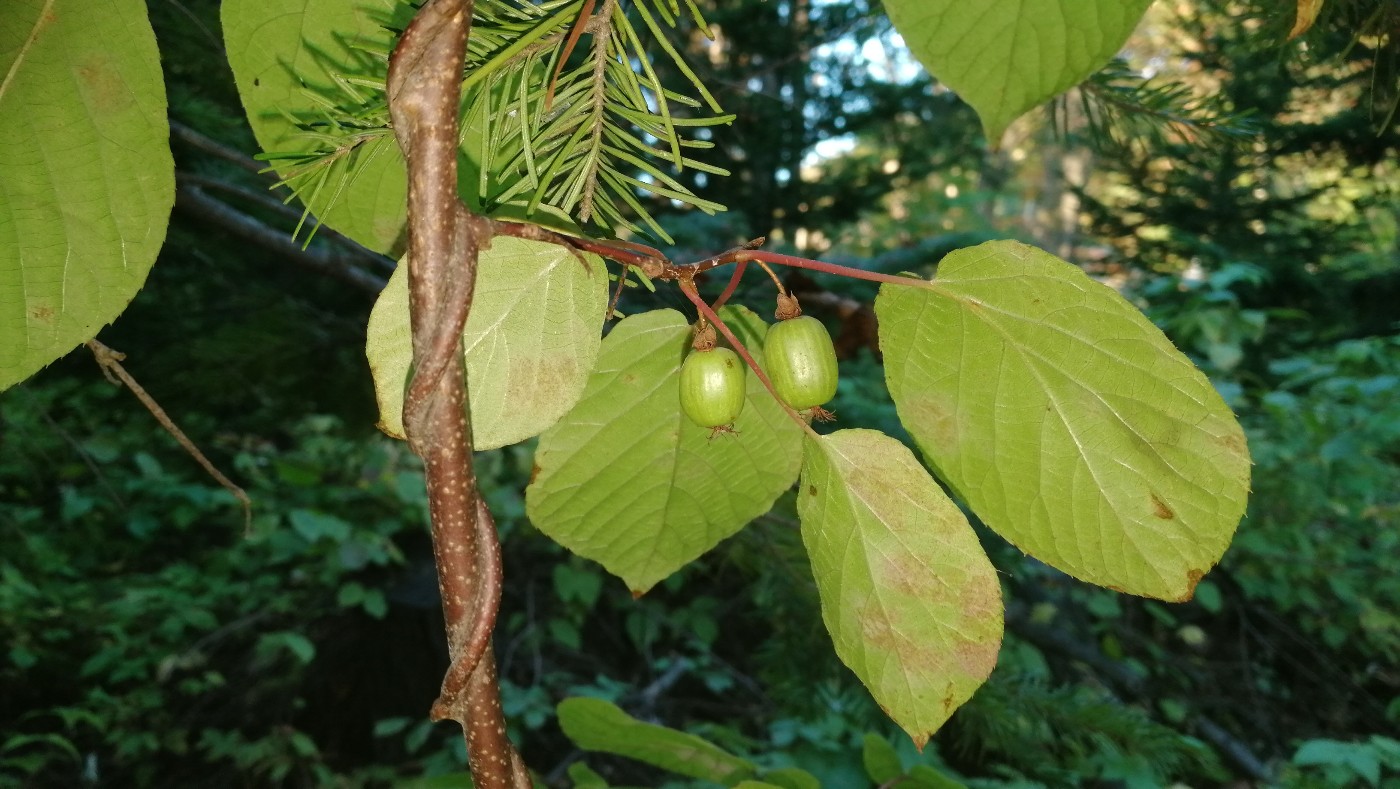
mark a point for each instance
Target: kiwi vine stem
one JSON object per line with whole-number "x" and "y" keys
{"x": 444, "y": 242}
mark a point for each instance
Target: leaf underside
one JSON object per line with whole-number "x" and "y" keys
{"x": 1005, "y": 57}
{"x": 530, "y": 341}
{"x": 287, "y": 59}
{"x": 86, "y": 177}
{"x": 625, "y": 479}
{"x": 1067, "y": 421}
{"x": 912, "y": 603}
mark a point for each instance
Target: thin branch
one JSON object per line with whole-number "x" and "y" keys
{"x": 194, "y": 202}
{"x": 213, "y": 147}
{"x": 110, "y": 362}
{"x": 602, "y": 36}
{"x": 208, "y": 145}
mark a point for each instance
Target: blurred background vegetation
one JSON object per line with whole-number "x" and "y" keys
{"x": 1254, "y": 214}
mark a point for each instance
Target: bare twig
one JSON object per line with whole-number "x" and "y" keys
{"x": 110, "y": 362}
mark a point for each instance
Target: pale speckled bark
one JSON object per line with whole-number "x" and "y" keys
{"x": 443, "y": 242}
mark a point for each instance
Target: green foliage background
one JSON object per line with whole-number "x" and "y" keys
{"x": 150, "y": 642}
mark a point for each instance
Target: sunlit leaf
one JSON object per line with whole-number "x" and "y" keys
{"x": 86, "y": 178}
{"x": 530, "y": 340}
{"x": 628, "y": 481}
{"x": 1065, "y": 419}
{"x": 910, "y": 599}
{"x": 1307, "y": 15}
{"x": 1004, "y": 57}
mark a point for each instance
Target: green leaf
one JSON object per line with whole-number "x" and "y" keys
{"x": 531, "y": 339}
{"x": 584, "y": 777}
{"x": 786, "y": 778}
{"x": 1065, "y": 419}
{"x": 880, "y": 759}
{"x": 1358, "y": 758}
{"x": 86, "y": 177}
{"x": 921, "y": 776}
{"x": 287, "y": 54}
{"x": 911, "y": 601}
{"x": 461, "y": 780}
{"x": 628, "y": 481}
{"x": 1004, "y": 57}
{"x": 598, "y": 725}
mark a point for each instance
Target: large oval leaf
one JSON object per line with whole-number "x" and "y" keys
{"x": 86, "y": 178}
{"x": 910, "y": 599}
{"x": 1004, "y": 57}
{"x": 628, "y": 481}
{"x": 1066, "y": 420}
{"x": 287, "y": 57}
{"x": 530, "y": 341}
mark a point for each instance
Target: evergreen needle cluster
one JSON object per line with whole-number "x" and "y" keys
{"x": 565, "y": 121}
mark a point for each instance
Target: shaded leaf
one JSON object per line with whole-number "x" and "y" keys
{"x": 921, "y": 776}
{"x": 880, "y": 759}
{"x": 598, "y": 725}
{"x": 530, "y": 341}
{"x": 1065, "y": 419}
{"x": 1004, "y": 57}
{"x": 786, "y": 778}
{"x": 628, "y": 481}
{"x": 86, "y": 177}
{"x": 910, "y": 599}
{"x": 287, "y": 57}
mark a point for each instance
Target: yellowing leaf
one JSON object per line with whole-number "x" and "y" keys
{"x": 628, "y": 481}
{"x": 1065, "y": 419}
{"x": 530, "y": 340}
{"x": 911, "y": 601}
{"x": 1307, "y": 15}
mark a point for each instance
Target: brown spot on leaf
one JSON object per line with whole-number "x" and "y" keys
{"x": 1193, "y": 577}
{"x": 102, "y": 85}
{"x": 811, "y": 490}
{"x": 534, "y": 472}
{"x": 935, "y": 415}
{"x": 42, "y": 313}
{"x": 1234, "y": 442}
{"x": 1160, "y": 508}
